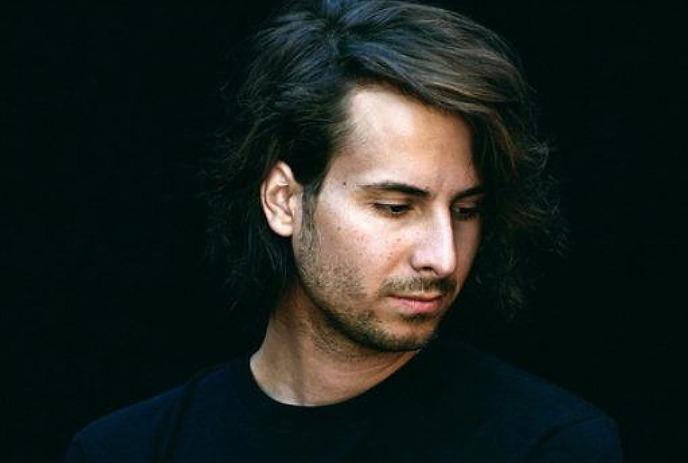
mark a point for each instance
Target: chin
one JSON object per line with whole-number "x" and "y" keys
{"x": 402, "y": 340}
{"x": 406, "y": 344}
{"x": 385, "y": 332}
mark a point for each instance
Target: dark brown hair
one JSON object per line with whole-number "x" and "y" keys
{"x": 292, "y": 109}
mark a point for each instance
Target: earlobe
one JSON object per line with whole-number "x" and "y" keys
{"x": 279, "y": 195}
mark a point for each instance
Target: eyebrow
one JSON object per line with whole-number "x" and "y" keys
{"x": 411, "y": 190}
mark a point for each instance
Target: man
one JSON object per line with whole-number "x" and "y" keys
{"x": 388, "y": 164}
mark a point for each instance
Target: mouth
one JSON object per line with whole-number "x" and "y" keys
{"x": 420, "y": 303}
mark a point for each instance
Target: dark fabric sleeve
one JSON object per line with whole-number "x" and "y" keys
{"x": 93, "y": 446}
{"x": 593, "y": 440}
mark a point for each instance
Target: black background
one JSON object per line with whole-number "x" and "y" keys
{"x": 109, "y": 109}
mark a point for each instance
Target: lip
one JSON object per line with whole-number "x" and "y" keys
{"x": 419, "y": 304}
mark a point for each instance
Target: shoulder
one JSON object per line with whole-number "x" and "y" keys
{"x": 137, "y": 432}
{"x": 127, "y": 434}
{"x": 511, "y": 389}
{"x": 522, "y": 413}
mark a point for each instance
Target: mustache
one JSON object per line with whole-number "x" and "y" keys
{"x": 418, "y": 285}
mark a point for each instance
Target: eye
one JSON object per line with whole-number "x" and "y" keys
{"x": 465, "y": 213}
{"x": 392, "y": 210}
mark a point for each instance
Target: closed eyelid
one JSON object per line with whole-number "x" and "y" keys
{"x": 474, "y": 193}
{"x": 392, "y": 209}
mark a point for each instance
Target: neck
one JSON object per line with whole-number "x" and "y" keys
{"x": 303, "y": 361}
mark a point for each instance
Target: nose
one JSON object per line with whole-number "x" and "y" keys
{"x": 434, "y": 249}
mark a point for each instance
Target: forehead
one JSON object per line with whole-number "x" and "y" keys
{"x": 394, "y": 137}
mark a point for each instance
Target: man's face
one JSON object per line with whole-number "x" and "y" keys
{"x": 386, "y": 246}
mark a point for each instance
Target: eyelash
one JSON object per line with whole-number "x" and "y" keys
{"x": 392, "y": 210}
{"x": 468, "y": 213}
{"x": 399, "y": 210}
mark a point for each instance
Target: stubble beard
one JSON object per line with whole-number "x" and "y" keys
{"x": 335, "y": 291}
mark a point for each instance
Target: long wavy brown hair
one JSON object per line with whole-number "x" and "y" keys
{"x": 292, "y": 108}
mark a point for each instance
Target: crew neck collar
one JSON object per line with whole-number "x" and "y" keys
{"x": 382, "y": 394}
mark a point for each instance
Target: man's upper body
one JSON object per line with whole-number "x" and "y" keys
{"x": 389, "y": 165}
{"x": 449, "y": 404}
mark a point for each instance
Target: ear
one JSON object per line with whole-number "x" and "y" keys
{"x": 280, "y": 195}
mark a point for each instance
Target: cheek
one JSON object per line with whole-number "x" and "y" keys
{"x": 341, "y": 229}
{"x": 356, "y": 246}
{"x": 351, "y": 239}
